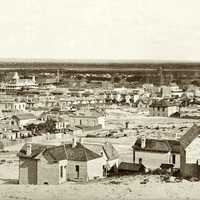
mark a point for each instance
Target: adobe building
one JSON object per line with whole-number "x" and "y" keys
{"x": 49, "y": 164}
{"x": 155, "y": 152}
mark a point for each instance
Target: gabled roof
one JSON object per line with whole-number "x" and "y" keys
{"x": 152, "y": 145}
{"x": 57, "y": 152}
{"x": 80, "y": 153}
{"x": 160, "y": 146}
{"x": 8, "y": 127}
{"x": 36, "y": 150}
{"x": 162, "y": 103}
{"x": 63, "y": 118}
{"x": 174, "y": 145}
{"x": 189, "y": 136}
{"x": 110, "y": 152}
{"x": 61, "y": 152}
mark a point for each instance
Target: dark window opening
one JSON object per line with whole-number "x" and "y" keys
{"x": 61, "y": 171}
{"x": 77, "y": 171}
{"x": 174, "y": 159}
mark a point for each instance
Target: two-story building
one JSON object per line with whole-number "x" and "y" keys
{"x": 163, "y": 108}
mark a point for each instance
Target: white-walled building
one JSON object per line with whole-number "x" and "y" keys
{"x": 190, "y": 152}
{"x": 17, "y": 83}
{"x": 49, "y": 164}
{"x": 155, "y": 152}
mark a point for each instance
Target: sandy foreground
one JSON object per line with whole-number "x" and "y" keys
{"x": 127, "y": 187}
{"x": 122, "y": 188}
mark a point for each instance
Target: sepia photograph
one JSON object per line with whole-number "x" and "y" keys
{"x": 99, "y": 100}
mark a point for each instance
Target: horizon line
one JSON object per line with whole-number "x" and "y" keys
{"x": 98, "y": 61}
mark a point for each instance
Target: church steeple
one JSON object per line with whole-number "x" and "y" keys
{"x": 16, "y": 76}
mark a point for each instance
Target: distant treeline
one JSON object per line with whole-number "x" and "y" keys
{"x": 100, "y": 66}
{"x": 157, "y": 73}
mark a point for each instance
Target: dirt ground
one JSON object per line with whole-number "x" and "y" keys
{"x": 121, "y": 188}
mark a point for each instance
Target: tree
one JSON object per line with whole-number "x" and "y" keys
{"x": 30, "y": 127}
{"x": 50, "y": 126}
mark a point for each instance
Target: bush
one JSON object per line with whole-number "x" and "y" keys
{"x": 115, "y": 182}
{"x": 159, "y": 171}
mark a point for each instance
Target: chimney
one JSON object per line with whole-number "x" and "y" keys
{"x": 74, "y": 142}
{"x": 133, "y": 153}
{"x": 127, "y": 125}
{"x": 140, "y": 161}
{"x": 143, "y": 142}
{"x": 28, "y": 149}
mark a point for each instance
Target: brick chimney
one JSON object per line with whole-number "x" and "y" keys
{"x": 143, "y": 141}
{"x": 28, "y": 149}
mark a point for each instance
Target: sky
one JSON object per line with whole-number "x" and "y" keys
{"x": 100, "y": 29}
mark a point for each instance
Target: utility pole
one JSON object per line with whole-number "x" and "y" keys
{"x": 161, "y": 76}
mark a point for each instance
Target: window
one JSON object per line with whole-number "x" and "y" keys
{"x": 158, "y": 108}
{"x": 80, "y": 122}
{"x": 77, "y": 168}
{"x": 163, "y": 109}
{"x": 77, "y": 171}
{"x": 61, "y": 171}
{"x": 174, "y": 159}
